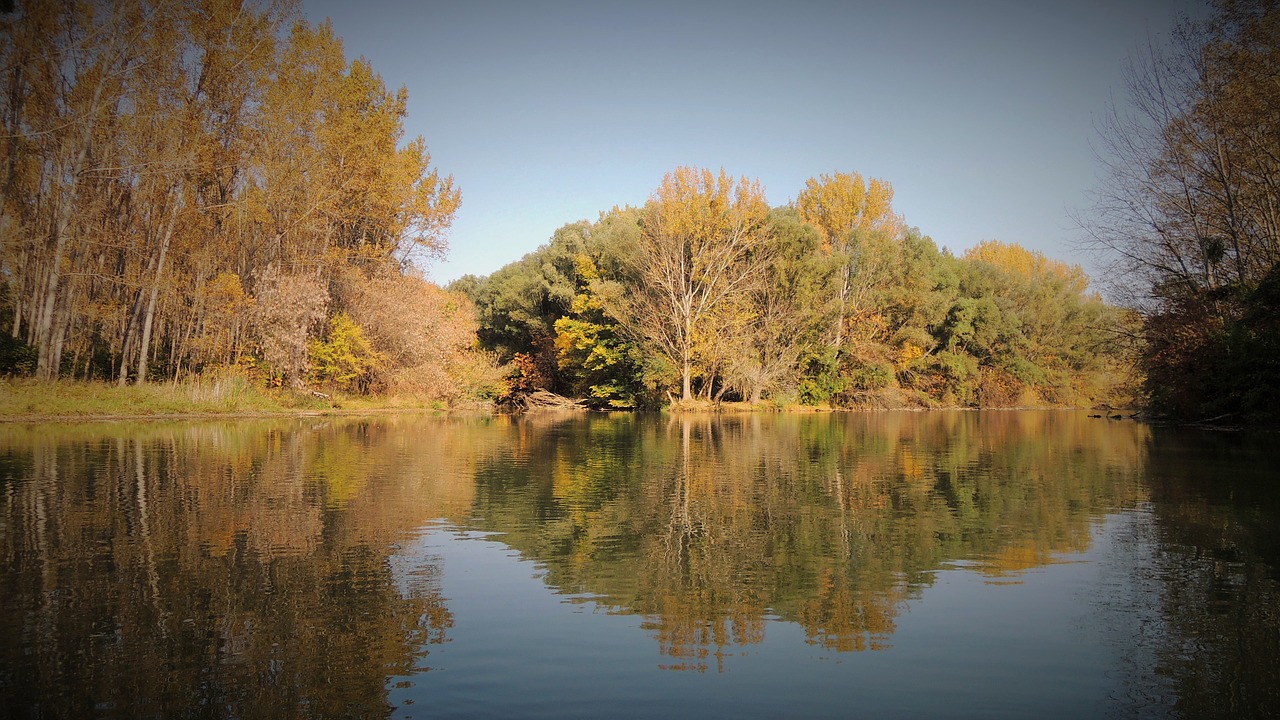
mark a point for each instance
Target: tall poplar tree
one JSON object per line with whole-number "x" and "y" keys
{"x": 847, "y": 210}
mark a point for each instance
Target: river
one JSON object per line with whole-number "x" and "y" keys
{"x": 978, "y": 564}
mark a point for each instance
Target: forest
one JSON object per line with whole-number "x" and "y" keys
{"x": 190, "y": 187}
{"x": 193, "y": 189}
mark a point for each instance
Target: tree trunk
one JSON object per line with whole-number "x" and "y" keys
{"x": 844, "y": 301}
{"x": 127, "y": 344}
{"x": 720, "y": 393}
{"x": 686, "y": 393}
{"x": 145, "y": 349}
{"x": 44, "y": 315}
{"x": 61, "y": 226}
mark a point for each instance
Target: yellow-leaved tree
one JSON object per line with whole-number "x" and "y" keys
{"x": 850, "y": 214}
{"x": 702, "y": 240}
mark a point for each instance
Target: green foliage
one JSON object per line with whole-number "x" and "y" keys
{"x": 346, "y": 359}
{"x": 16, "y": 357}
{"x": 872, "y": 377}
{"x": 973, "y": 325}
{"x": 822, "y": 380}
{"x": 596, "y": 362}
{"x": 518, "y": 305}
{"x": 1024, "y": 370}
{"x": 999, "y": 326}
{"x": 957, "y": 368}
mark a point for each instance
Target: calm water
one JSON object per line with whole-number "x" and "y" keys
{"x": 966, "y": 564}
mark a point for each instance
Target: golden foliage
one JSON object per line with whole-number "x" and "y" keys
{"x": 1027, "y": 264}
{"x": 425, "y": 334}
{"x": 701, "y": 241}
{"x": 844, "y": 205}
{"x": 179, "y": 156}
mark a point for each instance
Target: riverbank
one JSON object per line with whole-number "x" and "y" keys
{"x": 233, "y": 395}
{"x": 26, "y": 400}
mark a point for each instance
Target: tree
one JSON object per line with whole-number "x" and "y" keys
{"x": 787, "y": 308}
{"x": 423, "y": 334}
{"x": 346, "y": 358}
{"x": 700, "y": 246}
{"x": 520, "y": 303}
{"x": 66, "y": 66}
{"x": 290, "y": 309}
{"x": 169, "y": 169}
{"x": 1188, "y": 211}
{"x": 849, "y": 213}
{"x": 595, "y": 359}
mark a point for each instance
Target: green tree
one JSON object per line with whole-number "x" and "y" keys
{"x": 597, "y": 361}
{"x": 789, "y": 310}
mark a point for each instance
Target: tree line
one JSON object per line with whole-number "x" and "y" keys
{"x": 192, "y": 186}
{"x": 707, "y": 293}
{"x": 200, "y": 184}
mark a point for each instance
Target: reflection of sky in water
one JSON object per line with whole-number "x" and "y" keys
{"x": 1063, "y": 640}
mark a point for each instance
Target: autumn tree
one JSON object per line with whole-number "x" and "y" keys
{"x": 1000, "y": 326}
{"x": 1187, "y": 213}
{"x": 700, "y": 246}
{"x": 595, "y": 358}
{"x": 66, "y": 67}
{"x": 290, "y": 309}
{"x": 187, "y": 183}
{"x": 422, "y": 334}
{"x": 849, "y": 214}
{"x": 786, "y": 309}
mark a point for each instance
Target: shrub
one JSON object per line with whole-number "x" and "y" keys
{"x": 288, "y": 308}
{"x": 872, "y": 377}
{"x": 346, "y": 359}
{"x": 16, "y": 357}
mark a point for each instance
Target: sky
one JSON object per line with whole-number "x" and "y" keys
{"x": 982, "y": 114}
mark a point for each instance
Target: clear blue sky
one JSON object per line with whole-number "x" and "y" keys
{"x": 981, "y": 114}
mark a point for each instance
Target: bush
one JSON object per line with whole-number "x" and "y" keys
{"x": 821, "y": 381}
{"x": 288, "y": 307}
{"x": 347, "y": 358}
{"x": 17, "y": 358}
{"x": 872, "y": 377}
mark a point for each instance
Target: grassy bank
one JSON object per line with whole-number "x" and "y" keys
{"x": 232, "y": 394}
{"x": 223, "y": 394}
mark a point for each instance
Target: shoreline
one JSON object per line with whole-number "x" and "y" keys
{"x": 27, "y": 401}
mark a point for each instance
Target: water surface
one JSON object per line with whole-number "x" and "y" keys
{"x": 957, "y": 564}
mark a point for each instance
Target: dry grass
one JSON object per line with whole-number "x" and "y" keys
{"x": 220, "y": 393}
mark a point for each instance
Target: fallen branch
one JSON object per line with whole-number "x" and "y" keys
{"x": 545, "y": 400}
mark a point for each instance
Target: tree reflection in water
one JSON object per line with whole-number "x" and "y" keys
{"x": 707, "y": 525}
{"x": 255, "y": 567}
{"x": 233, "y": 569}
